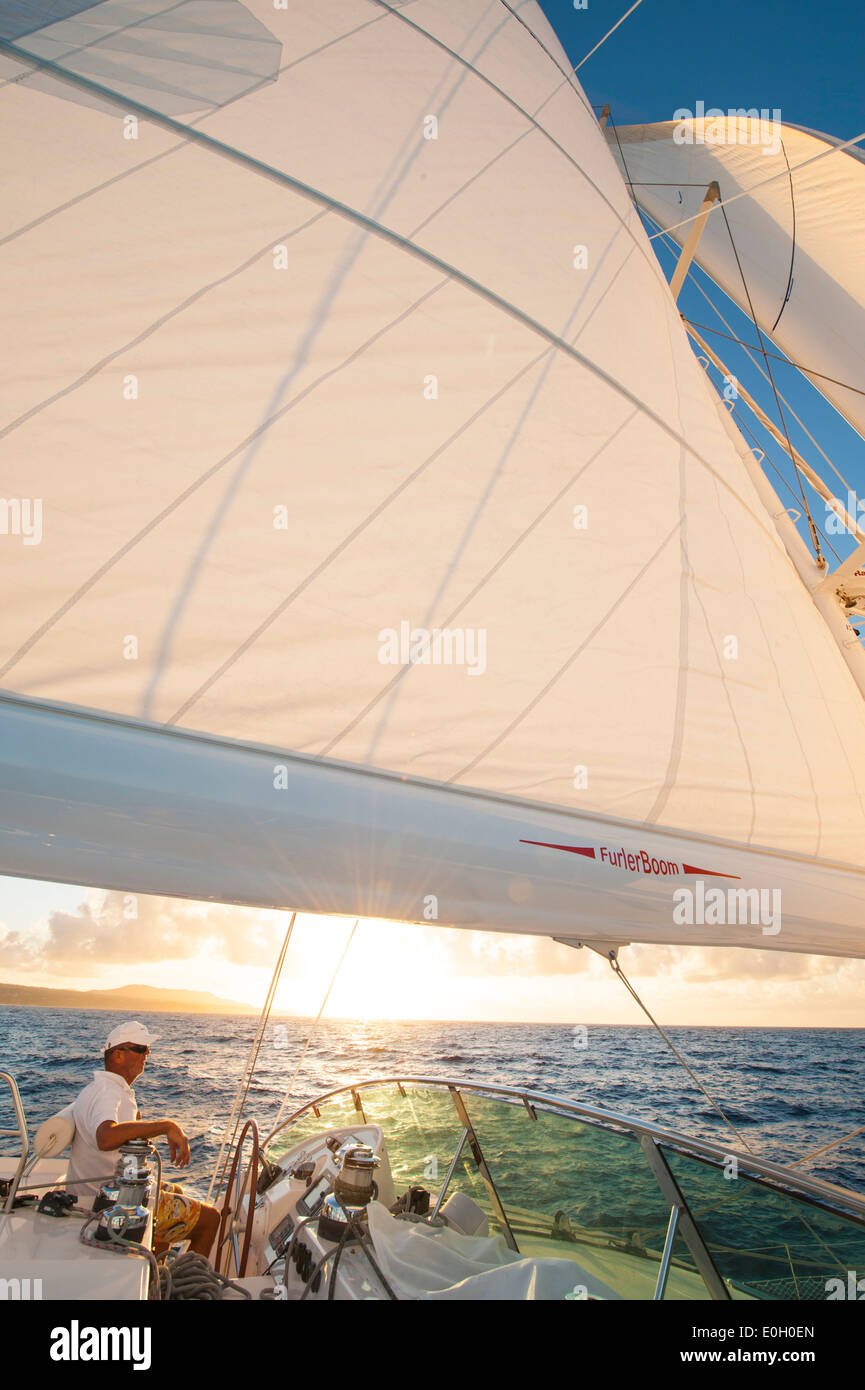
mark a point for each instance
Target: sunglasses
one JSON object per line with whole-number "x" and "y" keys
{"x": 133, "y": 1047}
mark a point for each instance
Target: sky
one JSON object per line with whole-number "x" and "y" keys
{"x": 792, "y": 56}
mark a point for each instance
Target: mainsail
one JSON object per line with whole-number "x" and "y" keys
{"x": 366, "y": 443}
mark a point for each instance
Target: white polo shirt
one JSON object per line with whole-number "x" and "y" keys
{"x": 108, "y": 1097}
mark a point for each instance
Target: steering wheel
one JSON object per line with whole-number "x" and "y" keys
{"x": 229, "y": 1226}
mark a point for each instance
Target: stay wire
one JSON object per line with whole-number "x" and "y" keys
{"x": 290, "y": 1087}
{"x": 594, "y": 50}
{"x": 750, "y": 350}
{"x": 743, "y": 425}
{"x": 776, "y": 356}
{"x": 734, "y": 337}
{"x": 251, "y": 1061}
{"x": 617, "y": 970}
{"x": 815, "y": 539}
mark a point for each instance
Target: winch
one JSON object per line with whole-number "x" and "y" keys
{"x": 123, "y": 1198}
{"x": 353, "y": 1189}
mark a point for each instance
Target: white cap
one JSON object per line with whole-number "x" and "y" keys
{"x": 130, "y": 1033}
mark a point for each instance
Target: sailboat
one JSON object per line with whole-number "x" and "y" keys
{"x": 380, "y": 548}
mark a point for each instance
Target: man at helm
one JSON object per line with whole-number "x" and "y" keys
{"x": 106, "y": 1115}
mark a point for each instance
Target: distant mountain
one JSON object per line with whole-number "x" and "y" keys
{"x": 129, "y": 999}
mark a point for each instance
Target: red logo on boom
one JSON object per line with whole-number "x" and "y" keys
{"x": 633, "y": 861}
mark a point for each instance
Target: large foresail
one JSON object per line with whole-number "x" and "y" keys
{"x": 792, "y": 251}
{"x": 349, "y": 415}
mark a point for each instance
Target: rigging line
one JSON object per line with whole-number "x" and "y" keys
{"x": 249, "y": 1067}
{"x": 776, "y": 356}
{"x": 675, "y": 249}
{"x": 624, "y": 161}
{"x": 617, "y": 970}
{"x": 786, "y": 298}
{"x": 799, "y": 421}
{"x": 287, "y": 1096}
{"x": 743, "y": 425}
{"x": 522, "y": 111}
{"x": 747, "y": 192}
{"x": 815, "y": 540}
{"x": 591, "y": 51}
{"x": 385, "y": 234}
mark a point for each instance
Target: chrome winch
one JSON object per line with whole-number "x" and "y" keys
{"x": 122, "y": 1200}
{"x": 353, "y": 1189}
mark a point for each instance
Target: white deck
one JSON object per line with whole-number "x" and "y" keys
{"x": 35, "y": 1247}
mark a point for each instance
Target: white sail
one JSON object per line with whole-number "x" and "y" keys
{"x": 793, "y": 251}
{"x": 380, "y": 349}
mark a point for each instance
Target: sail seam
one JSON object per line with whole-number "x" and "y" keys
{"x": 158, "y": 323}
{"x": 285, "y": 603}
{"x": 556, "y": 677}
{"x": 334, "y": 554}
{"x": 392, "y": 238}
{"x": 182, "y": 144}
{"x": 194, "y": 486}
{"x": 523, "y": 112}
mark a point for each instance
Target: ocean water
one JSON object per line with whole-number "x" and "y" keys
{"x": 787, "y": 1091}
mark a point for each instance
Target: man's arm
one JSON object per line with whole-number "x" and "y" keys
{"x": 111, "y": 1135}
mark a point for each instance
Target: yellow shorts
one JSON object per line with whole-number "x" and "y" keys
{"x": 176, "y": 1216}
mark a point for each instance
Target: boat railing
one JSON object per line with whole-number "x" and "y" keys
{"x": 549, "y": 1170}
{"x": 19, "y": 1132}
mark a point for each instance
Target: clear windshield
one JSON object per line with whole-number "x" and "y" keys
{"x": 552, "y": 1183}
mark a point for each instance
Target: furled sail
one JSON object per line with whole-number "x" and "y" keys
{"x": 793, "y": 250}
{"x": 350, "y": 423}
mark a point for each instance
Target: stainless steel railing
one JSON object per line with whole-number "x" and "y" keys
{"x": 21, "y": 1133}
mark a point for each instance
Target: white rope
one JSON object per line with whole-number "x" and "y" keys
{"x": 290, "y": 1087}
{"x": 607, "y": 35}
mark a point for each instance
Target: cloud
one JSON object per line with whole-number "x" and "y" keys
{"x": 124, "y": 928}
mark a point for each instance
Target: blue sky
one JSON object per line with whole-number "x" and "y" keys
{"x": 802, "y": 57}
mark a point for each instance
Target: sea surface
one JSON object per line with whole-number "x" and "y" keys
{"x": 787, "y": 1091}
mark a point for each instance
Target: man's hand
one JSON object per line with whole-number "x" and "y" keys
{"x": 178, "y": 1144}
